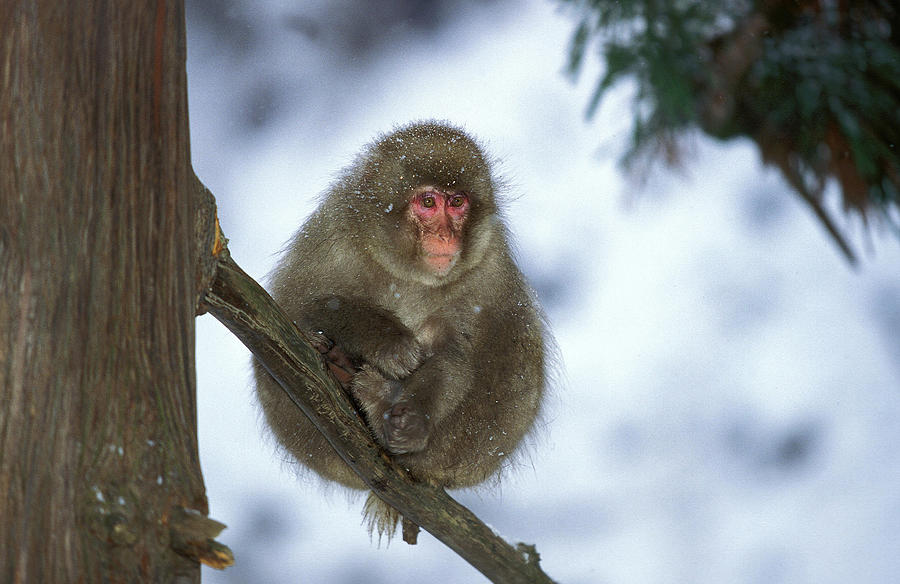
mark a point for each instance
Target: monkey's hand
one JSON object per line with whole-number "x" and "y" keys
{"x": 398, "y": 425}
{"x": 397, "y": 355}
{"x": 340, "y": 365}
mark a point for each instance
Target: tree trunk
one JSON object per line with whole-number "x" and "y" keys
{"x": 98, "y": 446}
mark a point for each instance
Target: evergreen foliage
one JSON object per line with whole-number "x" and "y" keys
{"x": 814, "y": 83}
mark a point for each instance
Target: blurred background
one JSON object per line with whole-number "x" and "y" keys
{"x": 727, "y": 406}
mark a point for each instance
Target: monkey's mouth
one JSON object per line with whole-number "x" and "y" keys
{"x": 441, "y": 263}
{"x": 440, "y": 253}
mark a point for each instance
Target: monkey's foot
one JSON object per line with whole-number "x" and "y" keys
{"x": 405, "y": 429}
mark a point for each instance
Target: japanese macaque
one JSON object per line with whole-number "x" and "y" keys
{"x": 405, "y": 268}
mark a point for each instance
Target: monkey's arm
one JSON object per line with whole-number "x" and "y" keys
{"x": 403, "y": 413}
{"x": 365, "y": 332}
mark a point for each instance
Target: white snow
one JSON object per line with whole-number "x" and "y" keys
{"x": 728, "y": 407}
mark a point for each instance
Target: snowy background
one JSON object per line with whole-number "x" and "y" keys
{"x": 728, "y": 409}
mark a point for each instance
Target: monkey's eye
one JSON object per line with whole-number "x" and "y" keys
{"x": 457, "y": 200}
{"x": 428, "y": 201}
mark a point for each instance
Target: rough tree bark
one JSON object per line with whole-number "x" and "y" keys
{"x": 106, "y": 241}
{"x": 99, "y": 475}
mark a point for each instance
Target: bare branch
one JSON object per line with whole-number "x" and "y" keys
{"x": 249, "y": 312}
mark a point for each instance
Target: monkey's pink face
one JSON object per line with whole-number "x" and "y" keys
{"x": 439, "y": 218}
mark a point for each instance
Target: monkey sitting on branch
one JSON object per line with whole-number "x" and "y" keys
{"x": 405, "y": 269}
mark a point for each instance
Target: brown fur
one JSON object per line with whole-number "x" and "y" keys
{"x": 451, "y": 367}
